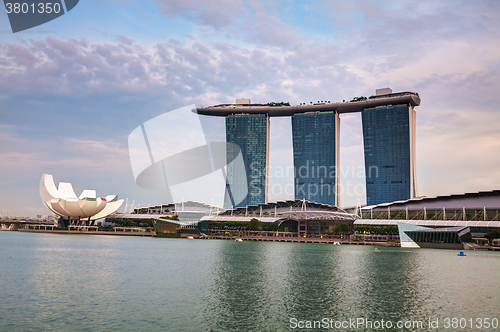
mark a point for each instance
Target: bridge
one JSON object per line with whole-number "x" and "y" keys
{"x": 12, "y": 224}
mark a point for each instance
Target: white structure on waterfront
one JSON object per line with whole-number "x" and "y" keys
{"x": 63, "y": 201}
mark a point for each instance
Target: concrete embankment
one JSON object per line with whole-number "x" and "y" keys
{"x": 118, "y": 233}
{"x": 302, "y": 240}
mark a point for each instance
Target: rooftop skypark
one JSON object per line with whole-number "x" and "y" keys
{"x": 411, "y": 98}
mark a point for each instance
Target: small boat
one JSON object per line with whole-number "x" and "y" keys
{"x": 190, "y": 238}
{"x": 238, "y": 240}
{"x": 461, "y": 253}
{"x": 336, "y": 243}
{"x": 376, "y": 250}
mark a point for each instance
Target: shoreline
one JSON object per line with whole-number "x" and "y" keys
{"x": 244, "y": 238}
{"x": 121, "y": 233}
{"x": 302, "y": 240}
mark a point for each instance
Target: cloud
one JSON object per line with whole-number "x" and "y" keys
{"x": 26, "y": 156}
{"x": 216, "y": 13}
{"x": 206, "y": 73}
{"x": 125, "y": 40}
{"x": 255, "y": 22}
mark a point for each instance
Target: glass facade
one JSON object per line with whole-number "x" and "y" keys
{"x": 403, "y": 228}
{"x": 387, "y": 141}
{"x": 413, "y": 236}
{"x": 434, "y": 237}
{"x": 251, "y": 133}
{"x": 315, "y": 152}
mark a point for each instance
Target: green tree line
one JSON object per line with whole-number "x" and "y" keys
{"x": 492, "y": 235}
{"x": 253, "y": 225}
{"x": 131, "y": 223}
{"x": 376, "y": 229}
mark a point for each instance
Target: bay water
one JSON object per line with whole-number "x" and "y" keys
{"x": 120, "y": 283}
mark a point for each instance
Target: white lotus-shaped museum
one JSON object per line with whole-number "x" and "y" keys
{"x": 63, "y": 202}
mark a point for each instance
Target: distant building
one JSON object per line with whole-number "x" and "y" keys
{"x": 45, "y": 218}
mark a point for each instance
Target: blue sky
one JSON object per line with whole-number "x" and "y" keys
{"x": 72, "y": 89}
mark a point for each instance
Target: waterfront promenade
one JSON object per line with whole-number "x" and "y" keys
{"x": 91, "y": 230}
{"x": 303, "y": 240}
{"x": 370, "y": 240}
{"x": 297, "y": 239}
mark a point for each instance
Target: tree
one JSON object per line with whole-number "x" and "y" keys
{"x": 255, "y": 224}
{"x": 270, "y": 227}
{"x": 344, "y": 228}
{"x": 174, "y": 217}
{"x": 274, "y": 104}
{"x": 492, "y": 235}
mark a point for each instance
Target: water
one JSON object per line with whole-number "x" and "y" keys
{"x": 108, "y": 283}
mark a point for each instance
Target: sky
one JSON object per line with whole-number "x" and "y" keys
{"x": 73, "y": 89}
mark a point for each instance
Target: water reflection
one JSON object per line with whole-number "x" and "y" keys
{"x": 263, "y": 285}
{"x": 246, "y": 277}
{"x": 394, "y": 289}
{"x": 314, "y": 284}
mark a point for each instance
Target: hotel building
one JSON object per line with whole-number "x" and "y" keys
{"x": 389, "y": 145}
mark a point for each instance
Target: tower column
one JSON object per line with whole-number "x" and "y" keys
{"x": 389, "y": 147}
{"x": 337, "y": 159}
{"x": 316, "y": 151}
{"x": 250, "y": 132}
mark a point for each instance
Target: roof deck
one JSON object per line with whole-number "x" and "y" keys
{"x": 410, "y": 98}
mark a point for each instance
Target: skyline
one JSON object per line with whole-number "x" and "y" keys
{"x": 72, "y": 89}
